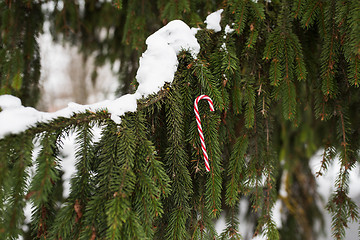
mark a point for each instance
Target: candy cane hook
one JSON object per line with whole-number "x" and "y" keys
{"x": 198, "y": 121}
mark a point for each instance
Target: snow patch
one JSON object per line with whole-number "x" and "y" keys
{"x": 158, "y": 63}
{"x": 213, "y": 21}
{"x": 67, "y": 163}
{"x": 15, "y": 118}
{"x": 276, "y": 211}
{"x": 195, "y": 30}
{"x": 228, "y": 30}
{"x": 9, "y": 101}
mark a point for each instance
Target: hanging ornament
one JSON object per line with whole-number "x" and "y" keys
{"x": 198, "y": 121}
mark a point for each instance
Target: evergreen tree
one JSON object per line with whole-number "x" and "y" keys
{"x": 284, "y": 78}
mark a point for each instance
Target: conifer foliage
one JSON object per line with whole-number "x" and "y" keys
{"x": 284, "y": 78}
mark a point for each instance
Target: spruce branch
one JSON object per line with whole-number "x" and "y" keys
{"x": 232, "y": 224}
{"x": 329, "y": 54}
{"x": 208, "y": 82}
{"x": 214, "y": 180}
{"x": 68, "y": 222}
{"x": 14, "y": 203}
{"x": 176, "y": 165}
{"x": 42, "y": 185}
{"x": 236, "y": 171}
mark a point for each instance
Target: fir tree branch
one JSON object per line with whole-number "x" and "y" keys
{"x": 176, "y": 164}
{"x": 236, "y": 171}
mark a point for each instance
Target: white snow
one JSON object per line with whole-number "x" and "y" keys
{"x": 228, "y": 30}
{"x": 15, "y": 118}
{"x": 67, "y": 162}
{"x": 195, "y": 30}
{"x": 213, "y": 21}
{"x": 158, "y": 65}
{"x": 9, "y": 101}
{"x": 276, "y": 212}
{"x": 223, "y": 47}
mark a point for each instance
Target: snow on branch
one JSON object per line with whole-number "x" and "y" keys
{"x": 213, "y": 21}
{"x": 158, "y": 65}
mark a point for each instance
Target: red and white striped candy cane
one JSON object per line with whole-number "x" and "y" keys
{"x": 198, "y": 120}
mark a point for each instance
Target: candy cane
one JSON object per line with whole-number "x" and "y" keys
{"x": 197, "y": 115}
